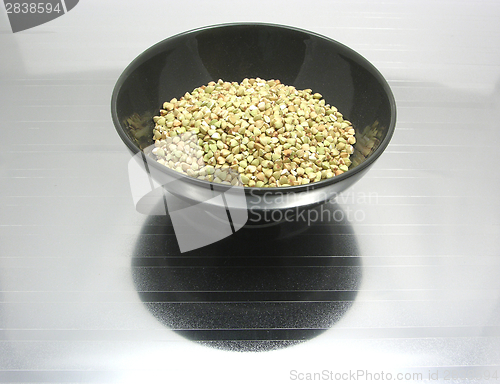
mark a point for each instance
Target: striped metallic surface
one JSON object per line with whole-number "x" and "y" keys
{"x": 400, "y": 276}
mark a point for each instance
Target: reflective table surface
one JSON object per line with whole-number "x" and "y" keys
{"x": 396, "y": 280}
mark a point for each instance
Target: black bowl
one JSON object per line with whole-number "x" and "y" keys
{"x": 233, "y": 52}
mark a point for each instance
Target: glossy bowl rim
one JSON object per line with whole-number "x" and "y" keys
{"x": 144, "y": 56}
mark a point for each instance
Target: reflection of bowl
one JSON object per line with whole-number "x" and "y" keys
{"x": 274, "y": 293}
{"x": 233, "y": 52}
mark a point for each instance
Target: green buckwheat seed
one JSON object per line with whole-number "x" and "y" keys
{"x": 269, "y": 134}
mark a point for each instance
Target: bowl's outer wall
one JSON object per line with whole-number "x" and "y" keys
{"x": 233, "y": 52}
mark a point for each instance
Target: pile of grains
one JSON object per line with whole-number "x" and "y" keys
{"x": 263, "y": 132}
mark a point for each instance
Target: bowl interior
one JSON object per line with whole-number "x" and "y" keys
{"x": 233, "y": 52}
